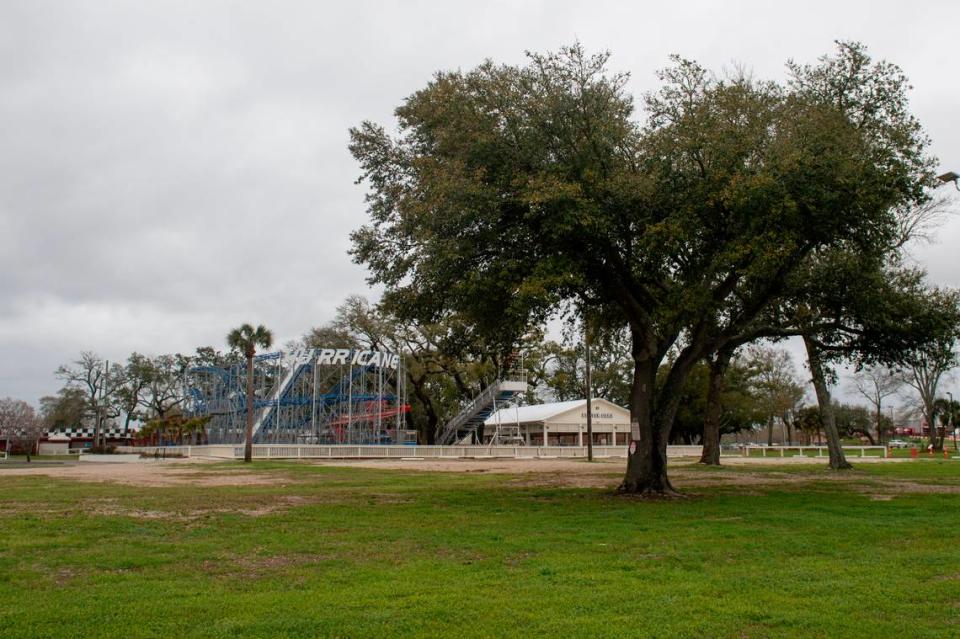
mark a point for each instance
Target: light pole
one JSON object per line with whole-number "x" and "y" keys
{"x": 586, "y": 345}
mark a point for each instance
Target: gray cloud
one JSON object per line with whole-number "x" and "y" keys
{"x": 170, "y": 169}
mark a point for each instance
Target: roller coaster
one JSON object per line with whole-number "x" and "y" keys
{"x": 305, "y": 396}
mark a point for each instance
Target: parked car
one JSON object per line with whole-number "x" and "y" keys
{"x": 898, "y": 443}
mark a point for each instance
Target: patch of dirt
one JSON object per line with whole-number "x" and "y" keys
{"x": 462, "y": 555}
{"x": 531, "y": 480}
{"x": 64, "y": 575}
{"x": 179, "y": 472}
{"x": 494, "y": 466}
{"x": 890, "y": 488}
{"x": 112, "y": 508}
{"x": 518, "y": 558}
{"x": 952, "y": 577}
{"x": 685, "y": 475}
{"x": 255, "y": 566}
{"x": 916, "y": 487}
{"x": 554, "y": 473}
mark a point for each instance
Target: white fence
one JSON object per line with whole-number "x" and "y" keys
{"x": 217, "y": 451}
{"x": 293, "y": 451}
{"x": 304, "y": 451}
{"x": 802, "y": 451}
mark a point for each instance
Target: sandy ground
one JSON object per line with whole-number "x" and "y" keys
{"x": 545, "y": 472}
{"x": 178, "y": 472}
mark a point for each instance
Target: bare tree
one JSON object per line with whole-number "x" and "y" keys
{"x": 20, "y": 425}
{"x": 876, "y": 383}
{"x": 775, "y": 381}
{"x": 917, "y": 223}
{"x": 101, "y": 385}
{"x": 923, "y": 374}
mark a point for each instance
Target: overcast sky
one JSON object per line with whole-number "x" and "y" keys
{"x": 169, "y": 170}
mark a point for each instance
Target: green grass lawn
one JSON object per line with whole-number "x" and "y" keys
{"x": 781, "y": 551}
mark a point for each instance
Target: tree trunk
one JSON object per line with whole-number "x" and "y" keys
{"x": 248, "y": 440}
{"x": 837, "y": 459}
{"x": 770, "y": 431}
{"x": 714, "y": 410}
{"x": 647, "y": 465}
{"x": 428, "y": 432}
{"x": 879, "y": 427}
{"x": 652, "y": 412}
{"x": 647, "y": 457}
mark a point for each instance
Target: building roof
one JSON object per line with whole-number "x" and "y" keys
{"x": 539, "y": 412}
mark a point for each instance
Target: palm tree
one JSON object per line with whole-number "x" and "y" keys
{"x": 246, "y": 339}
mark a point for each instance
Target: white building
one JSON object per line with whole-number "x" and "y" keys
{"x": 562, "y": 423}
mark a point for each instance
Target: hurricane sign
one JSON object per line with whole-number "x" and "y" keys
{"x": 355, "y": 357}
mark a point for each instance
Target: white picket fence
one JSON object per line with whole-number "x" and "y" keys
{"x": 801, "y": 451}
{"x": 294, "y": 451}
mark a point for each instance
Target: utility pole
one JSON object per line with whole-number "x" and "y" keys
{"x": 98, "y": 427}
{"x": 586, "y": 343}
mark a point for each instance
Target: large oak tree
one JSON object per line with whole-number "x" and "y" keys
{"x": 509, "y": 191}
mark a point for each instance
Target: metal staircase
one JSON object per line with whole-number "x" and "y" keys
{"x": 466, "y": 423}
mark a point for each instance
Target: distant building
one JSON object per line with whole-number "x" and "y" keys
{"x": 62, "y": 441}
{"x": 561, "y": 423}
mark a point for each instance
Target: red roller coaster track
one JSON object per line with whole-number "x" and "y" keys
{"x": 370, "y": 411}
